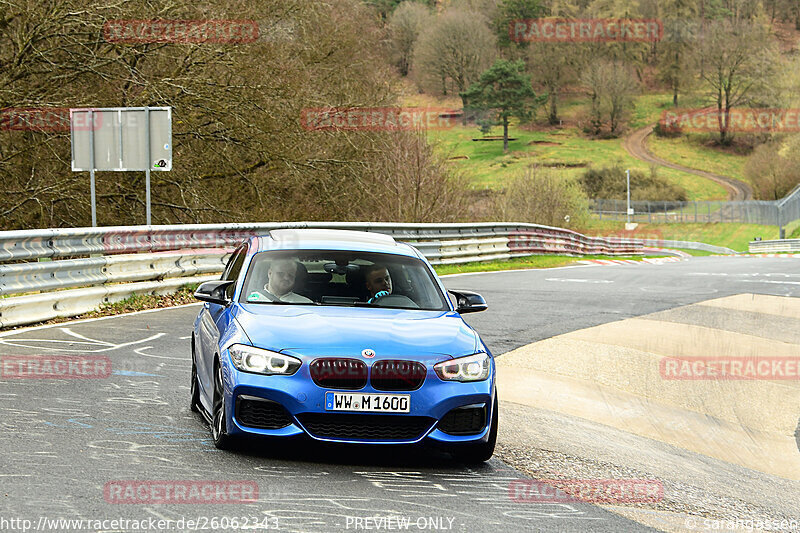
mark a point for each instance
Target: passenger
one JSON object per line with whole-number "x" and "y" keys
{"x": 378, "y": 281}
{"x": 281, "y": 278}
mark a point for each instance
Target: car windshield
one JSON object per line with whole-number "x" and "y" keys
{"x": 341, "y": 278}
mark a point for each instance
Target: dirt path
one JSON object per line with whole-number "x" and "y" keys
{"x": 636, "y": 145}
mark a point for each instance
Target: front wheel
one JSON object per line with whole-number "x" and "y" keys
{"x": 219, "y": 426}
{"x": 481, "y": 452}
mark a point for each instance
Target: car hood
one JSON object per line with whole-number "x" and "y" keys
{"x": 337, "y": 331}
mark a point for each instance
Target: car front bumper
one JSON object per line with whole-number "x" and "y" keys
{"x": 304, "y": 405}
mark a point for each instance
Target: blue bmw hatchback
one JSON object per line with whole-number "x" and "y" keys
{"x": 341, "y": 336}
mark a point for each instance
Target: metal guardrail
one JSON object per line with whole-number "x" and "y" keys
{"x": 118, "y": 262}
{"x": 766, "y": 247}
{"x": 689, "y": 245}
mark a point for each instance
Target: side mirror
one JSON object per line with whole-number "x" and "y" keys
{"x": 213, "y": 292}
{"x": 469, "y": 302}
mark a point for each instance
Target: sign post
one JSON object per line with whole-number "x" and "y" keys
{"x": 121, "y": 139}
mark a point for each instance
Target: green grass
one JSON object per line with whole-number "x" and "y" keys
{"x": 695, "y": 253}
{"x": 734, "y": 236}
{"x": 533, "y": 261}
{"x": 793, "y": 230}
{"x": 486, "y": 166}
{"x": 692, "y": 152}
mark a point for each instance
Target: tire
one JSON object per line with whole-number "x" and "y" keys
{"x": 219, "y": 430}
{"x": 194, "y": 403}
{"x": 481, "y": 452}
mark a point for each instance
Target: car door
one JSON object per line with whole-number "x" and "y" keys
{"x": 213, "y": 320}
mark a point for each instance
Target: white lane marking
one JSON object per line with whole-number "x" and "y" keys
{"x": 83, "y": 337}
{"x": 746, "y": 274}
{"x": 695, "y": 290}
{"x": 575, "y": 280}
{"x": 512, "y": 270}
{"x": 105, "y": 345}
{"x": 769, "y": 281}
{"x": 98, "y": 319}
{"x": 140, "y": 351}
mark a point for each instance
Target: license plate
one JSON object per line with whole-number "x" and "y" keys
{"x": 373, "y": 403}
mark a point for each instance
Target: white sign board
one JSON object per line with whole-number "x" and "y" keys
{"x": 121, "y": 139}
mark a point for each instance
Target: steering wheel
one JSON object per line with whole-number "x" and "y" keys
{"x": 383, "y": 298}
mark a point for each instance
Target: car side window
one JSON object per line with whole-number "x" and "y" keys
{"x": 233, "y": 269}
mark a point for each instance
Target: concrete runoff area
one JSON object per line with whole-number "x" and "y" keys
{"x": 704, "y": 432}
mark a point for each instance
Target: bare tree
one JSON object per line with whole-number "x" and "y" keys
{"x": 677, "y": 59}
{"x": 553, "y": 66}
{"x": 739, "y": 60}
{"x": 405, "y": 25}
{"x": 543, "y": 196}
{"x": 240, "y": 150}
{"x": 611, "y": 86}
{"x": 457, "y": 48}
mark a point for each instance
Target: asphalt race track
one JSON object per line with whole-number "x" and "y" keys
{"x": 64, "y": 441}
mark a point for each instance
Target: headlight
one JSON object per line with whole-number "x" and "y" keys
{"x": 471, "y": 368}
{"x": 256, "y": 360}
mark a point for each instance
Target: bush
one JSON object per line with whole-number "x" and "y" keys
{"x": 667, "y": 132}
{"x": 541, "y": 196}
{"x": 774, "y": 168}
{"x": 610, "y": 183}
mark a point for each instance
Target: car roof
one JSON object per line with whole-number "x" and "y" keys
{"x": 330, "y": 239}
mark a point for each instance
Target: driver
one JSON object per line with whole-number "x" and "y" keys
{"x": 378, "y": 281}
{"x": 282, "y": 273}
